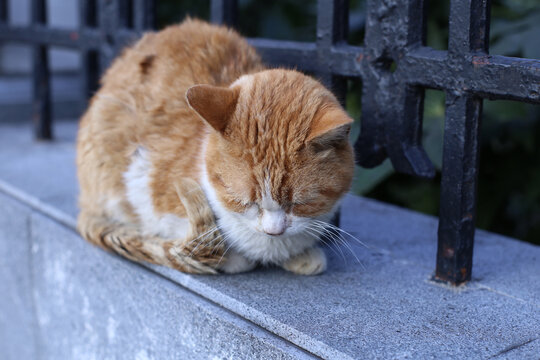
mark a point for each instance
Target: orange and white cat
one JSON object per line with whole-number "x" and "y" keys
{"x": 189, "y": 130}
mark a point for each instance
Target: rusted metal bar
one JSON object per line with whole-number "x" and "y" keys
{"x": 468, "y": 27}
{"x": 332, "y": 29}
{"x": 458, "y": 188}
{"x": 488, "y": 76}
{"x": 468, "y": 33}
{"x": 125, "y": 14}
{"x": 41, "y": 112}
{"x": 287, "y": 53}
{"x": 42, "y": 35}
{"x": 88, "y": 13}
{"x": 392, "y": 109}
{"x": 89, "y": 57}
{"x": 109, "y": 25}
{"x": 4, "y": 10}
{"x": 144, "y": 15}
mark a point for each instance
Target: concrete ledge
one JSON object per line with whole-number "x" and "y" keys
{"x": 63, "y": 298}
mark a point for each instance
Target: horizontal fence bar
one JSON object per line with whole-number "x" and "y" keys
{"x": 41, "y": 34}
{"x": 490, "y": 76}
{"x": 287, "y": 53}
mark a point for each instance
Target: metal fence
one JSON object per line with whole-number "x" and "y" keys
{"x": 394, "y": 66}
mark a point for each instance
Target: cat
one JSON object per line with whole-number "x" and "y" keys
{"x": 195, "y": 156}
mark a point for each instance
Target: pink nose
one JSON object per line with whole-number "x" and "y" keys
{"x": 274, "y": 232}
{"x": 274, "y": 222}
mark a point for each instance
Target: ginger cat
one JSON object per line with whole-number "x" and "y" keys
{"x": 189, "y": 125}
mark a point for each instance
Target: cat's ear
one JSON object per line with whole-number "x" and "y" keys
{"x": 214, "y": 104}
{"x": 331, "y": 129}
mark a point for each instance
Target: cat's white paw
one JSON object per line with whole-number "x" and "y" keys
{"x": 310, "y": 262}
{"x": 236, "y": 263}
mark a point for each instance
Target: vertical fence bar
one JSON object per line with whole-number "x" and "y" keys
{"x": 468, "y": 27}
{"x": 458, "y": 188}
{"x": 87, "y": 14}
{"x": 41, "y": 80}
{"x": 224, "y": 12}
{"x": 479, "y": 28}
{"x": 144, "y": 15}
{"x": 468, "y": 32}
{"x": 89, "y": 58}
{"x": 108, "y": 22}
{"x": 4, "y": 18}
{"x": 392, "y": 108}
{"x": 125, "y": 10}
{"x": 4, "y": 11}
{"x": 332, "y": 28}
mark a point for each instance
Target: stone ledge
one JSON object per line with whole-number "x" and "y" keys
{"x": 387, "y": 308}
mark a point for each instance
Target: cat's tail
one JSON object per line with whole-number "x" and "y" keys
{"x": 200, "y": 252}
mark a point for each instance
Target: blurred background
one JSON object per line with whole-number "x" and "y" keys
{"x": 509, "y": 178}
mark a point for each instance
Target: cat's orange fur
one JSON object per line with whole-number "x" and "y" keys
{"x": 273, "y": 133}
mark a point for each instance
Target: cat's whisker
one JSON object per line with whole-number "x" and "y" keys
{"x": 203, "y": 236}
{"x": 225, "y": 252}
{"x": 203, "y": 245}
{"x": 324, "y": 241}
{"x": 325, "y": 224}
{"x": 323, "y": 235}
{"x": 345, "y": 243}
{"x": 218, "y": 245}
{"x": 339, "y": 237}
{"x": 201, "y": 241}
{"x": 224, "y": 236}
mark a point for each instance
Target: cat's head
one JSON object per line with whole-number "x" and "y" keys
{"x": 278, "y": 154}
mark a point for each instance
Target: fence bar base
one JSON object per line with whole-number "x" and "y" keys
{"x": 458, "y": 189}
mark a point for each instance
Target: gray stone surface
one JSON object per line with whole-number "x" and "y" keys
{"x": 17, "y": 320}
{"x": 382, "y": 306}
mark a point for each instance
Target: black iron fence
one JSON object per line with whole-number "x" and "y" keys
{"x": 394, "y": 66}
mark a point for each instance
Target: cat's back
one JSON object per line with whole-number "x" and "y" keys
{"x": 193, "y": 52}
{"x": 142, "y": 102}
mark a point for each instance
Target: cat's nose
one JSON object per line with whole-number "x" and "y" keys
{"x": 274, "y": 222}
{"x": 274, "y": 232}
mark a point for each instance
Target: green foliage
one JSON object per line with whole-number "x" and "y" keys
{"x": 515, "y": 28}
{"x": 283, "y": 20}
{"x": 172, "y": 11}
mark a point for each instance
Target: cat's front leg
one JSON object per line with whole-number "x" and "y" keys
{"x": 236, "y": 263}
{"x": 310, "y": 262}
